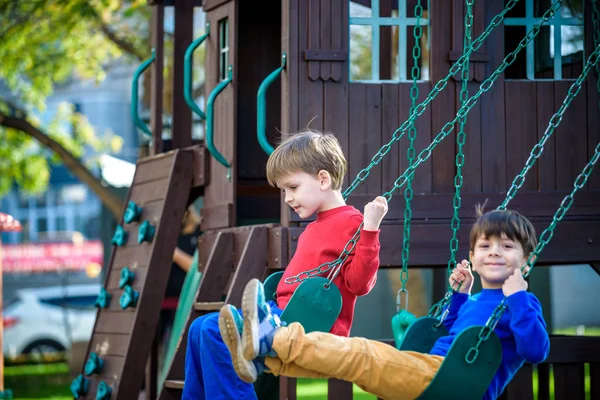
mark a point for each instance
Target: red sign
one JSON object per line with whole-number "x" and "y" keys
{"x": 46, "y": 257}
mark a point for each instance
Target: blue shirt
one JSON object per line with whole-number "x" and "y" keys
{"x": 521, "y": 330}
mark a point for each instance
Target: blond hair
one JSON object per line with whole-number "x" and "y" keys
{"x": 308, "y": 151}
{"x": 497, "y": 222}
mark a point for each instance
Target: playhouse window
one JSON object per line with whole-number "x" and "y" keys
{"x": 557, "y": 51}
{"x": 382, "y": 40}
{"x": 223, "y": 48}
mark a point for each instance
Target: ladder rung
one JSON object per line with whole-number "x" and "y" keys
{"x": 174, "y": 384}
{"x": 208, "y": 306}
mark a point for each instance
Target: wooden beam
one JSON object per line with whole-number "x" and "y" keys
{"x": 156, "y": 95}
{"x": 181, "y": 127}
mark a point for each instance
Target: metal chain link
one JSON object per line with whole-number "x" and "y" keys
{"x": 566, "y": 203}
{"x": 545, "y": 238}
{"x": 419, "y": 110}
{"x": 437, "y": 89}
{"x": 538, "y": 149}
{"x": 426, "y": 153}
{"x": 596, "y": 35}
{"x": 460, "y": 140}
{"x": 485, "y": 86}
{"x": 411, "y": 152}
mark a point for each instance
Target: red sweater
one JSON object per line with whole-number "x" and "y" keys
{"x": 323, "y": 240}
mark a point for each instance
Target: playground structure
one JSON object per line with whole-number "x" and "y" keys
{"x": 249, "y": 232}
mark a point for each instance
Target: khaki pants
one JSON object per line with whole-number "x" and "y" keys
{"x": 375, "y": 367}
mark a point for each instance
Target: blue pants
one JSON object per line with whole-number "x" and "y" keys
{"x": 209, "y": 373}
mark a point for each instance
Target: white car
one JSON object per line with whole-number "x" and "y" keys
{"x": 39, "y": 321}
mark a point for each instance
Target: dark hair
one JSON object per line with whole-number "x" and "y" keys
{"x": 497, "y": 222}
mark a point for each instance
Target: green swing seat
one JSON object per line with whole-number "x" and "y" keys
{"x": 314, "y": 304}
{"x": 479, "y": 373}
{"x": 422, "y": 335}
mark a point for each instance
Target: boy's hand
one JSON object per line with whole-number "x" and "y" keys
{"x": 374, "y": 213}
{"x": 514, "y": 283}
{"x": 462, "y": 274}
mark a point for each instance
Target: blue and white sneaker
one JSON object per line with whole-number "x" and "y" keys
{"x": 230, "y": 325}
{"x": 259, "y": 324}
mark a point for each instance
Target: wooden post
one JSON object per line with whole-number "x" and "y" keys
{"x": 7, "y": 224}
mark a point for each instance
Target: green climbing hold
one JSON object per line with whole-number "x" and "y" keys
{"x": 103, "y": 392}
{"x": 93, "y": 365}
{"x": 103, "y": 299}
{"x": 120, "y": 236}
{"x": 132, "y": 213}
{"x": 129, "y": 298}
{"x": 146, "y": 232}
{"x": 127, "y": 277}
{"x": 79, "y": 386}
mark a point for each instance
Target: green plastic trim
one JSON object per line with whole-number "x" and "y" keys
{"x": 135, "y": 97}
{"x": 187, "y": 73}
{"x": 261, "y": 101}
{"x": 210, "y": 115}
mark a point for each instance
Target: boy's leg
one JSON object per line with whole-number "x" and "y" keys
{"x": 374, "y": 366}
{"x": 193, "y": 388}
{"x": 220, "y": 379}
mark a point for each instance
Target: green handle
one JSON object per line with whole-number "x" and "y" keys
{"x": 210, "y": 115}
{"x": 187, "y": 73}
{"x": 261, "y": 97}
{"x": 134, "y": 95}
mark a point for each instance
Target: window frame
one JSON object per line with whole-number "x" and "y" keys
{"x": 402, "y": 22}
{"x": 557, "y": 22}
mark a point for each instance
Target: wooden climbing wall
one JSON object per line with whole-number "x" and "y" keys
{"x": 123, "y": 338}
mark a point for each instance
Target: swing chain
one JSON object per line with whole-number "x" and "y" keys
{"x": 460, "y": 139}
{"x": 566, "y": 203}
{"x": 485, "y": 86}
{"x": 421, "y": 107}
{"x": 410, "y": 153}
{"x": 426, "y": 153}
{"x": 596, "y": 25}
{"x": 486, "y": 331}
{"x": 441, "y": 305}
{"x": 545, "y": 238}
{"x": 537, "y": 150}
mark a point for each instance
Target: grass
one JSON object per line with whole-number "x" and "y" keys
{"x": 316, "y": 389}
{"x": 42, "y": 381}
{"x": 51, "y": 381}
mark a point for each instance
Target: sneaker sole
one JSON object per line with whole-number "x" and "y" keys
{"x": 250, "y": 339}
{"x": 229, "y": 332}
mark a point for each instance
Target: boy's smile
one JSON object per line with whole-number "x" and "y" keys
{"x": 495, "y": 259}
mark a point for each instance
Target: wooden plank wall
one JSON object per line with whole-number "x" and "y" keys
{"x": 121, "y": 337}
{"x": 219, "y": 197}
{"x": 501, "y": 131}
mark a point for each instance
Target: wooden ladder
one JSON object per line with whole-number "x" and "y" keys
{"x": 228, "y": 258}
{"x": 161, "y": 186}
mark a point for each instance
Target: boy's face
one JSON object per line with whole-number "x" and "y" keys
{"x": 495, "y": 259}
{"x": 305, "y": 193}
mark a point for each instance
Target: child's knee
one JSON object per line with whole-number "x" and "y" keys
{"x": 210, "y": 328}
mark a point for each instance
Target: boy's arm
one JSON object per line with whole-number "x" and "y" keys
{"x": 528, "y": 327}
{"x": 458, "y": 299}
{"x": 360, "y": 272}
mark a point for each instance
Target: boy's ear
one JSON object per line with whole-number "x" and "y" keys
{"x": 324, "y": 178}
{"x": 471, "y": 259}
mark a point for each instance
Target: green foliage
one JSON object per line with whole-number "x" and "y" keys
{"x": 45, "y": 43}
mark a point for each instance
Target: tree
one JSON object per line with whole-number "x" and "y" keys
{"x": 46, "y": 43}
